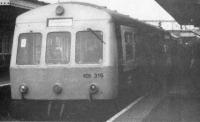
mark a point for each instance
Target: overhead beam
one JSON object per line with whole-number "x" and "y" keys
{"x": 4, "y": 2}
{"x": 25, "y": 4}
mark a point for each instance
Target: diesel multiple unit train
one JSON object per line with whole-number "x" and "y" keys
{"x": 82, "y": 52}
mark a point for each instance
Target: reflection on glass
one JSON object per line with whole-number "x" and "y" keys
{"x": 89, "y": 49}
{"x": 58, "y": 48}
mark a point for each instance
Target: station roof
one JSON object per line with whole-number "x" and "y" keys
{"x": 185, "y": 12}
{"x": 25, "y": 4}
{"x": 10, "y": 9}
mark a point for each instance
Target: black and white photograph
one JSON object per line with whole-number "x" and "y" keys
{"x": 100, "y": 60}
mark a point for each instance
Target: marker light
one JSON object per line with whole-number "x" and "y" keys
{"x": 57, "y": 88}
{"x": 23, "y": 89}
{"x": 93, "y": 89}
{"x": 60, "y": 10}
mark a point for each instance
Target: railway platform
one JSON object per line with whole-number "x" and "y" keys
{"x": 4, "y": 76}
{"x": 178, "y": 103}
{"x": 4, "y": 85}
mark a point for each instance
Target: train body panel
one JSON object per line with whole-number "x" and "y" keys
{"x": 75, "y": 82}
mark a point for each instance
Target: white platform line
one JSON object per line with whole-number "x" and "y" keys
{"x": 4, "y": 84}
{"x": 124, "y": 110}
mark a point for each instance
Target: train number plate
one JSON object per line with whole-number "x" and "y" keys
{"x": 94, "y": 75}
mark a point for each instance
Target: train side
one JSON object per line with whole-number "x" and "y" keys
{"x": 142, "y": 56}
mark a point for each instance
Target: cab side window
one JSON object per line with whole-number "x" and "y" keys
{"x": 129, "y": 46}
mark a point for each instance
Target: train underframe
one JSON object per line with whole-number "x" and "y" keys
{"x": 62, "y": 110}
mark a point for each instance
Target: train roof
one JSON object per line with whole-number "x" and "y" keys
{"x": 117, "y": 17}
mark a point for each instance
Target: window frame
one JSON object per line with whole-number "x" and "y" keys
{"x": 40, "y": 59}
{"x": 133, "y": 46}
{"x": 70, "y": 43}
{"x": 128, "y": 64}
{"x": 96, "y": 63}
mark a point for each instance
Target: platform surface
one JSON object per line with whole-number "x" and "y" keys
{"x": 179, "y": 103}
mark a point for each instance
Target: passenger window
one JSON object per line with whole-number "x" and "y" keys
{"x": 29, "y": 49}
{"x": 58, "y": 48}
{"x": 129, "y": 46}
{"x": 89, "y": 47}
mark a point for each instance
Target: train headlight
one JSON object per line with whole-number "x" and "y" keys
{"x": 93, "y": 89}
{"x": 23, "y": 89}
{"x": 57, "y": 88}
{"x": 60, "y": 10}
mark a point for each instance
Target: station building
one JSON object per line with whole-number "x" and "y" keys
{"x": 9, "y": 10}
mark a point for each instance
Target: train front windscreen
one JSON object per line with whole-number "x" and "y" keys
{"x": 88, "y": 48}
{"x": 29, "y": 49}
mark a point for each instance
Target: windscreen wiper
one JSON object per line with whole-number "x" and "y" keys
{"x": 93, "y": 32}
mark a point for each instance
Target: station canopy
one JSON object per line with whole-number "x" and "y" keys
{"x": 185, "y": 12}
{"x": 10, "y": 9}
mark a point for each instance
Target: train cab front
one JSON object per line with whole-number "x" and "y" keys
{"x": 63, "y": 58}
